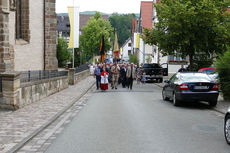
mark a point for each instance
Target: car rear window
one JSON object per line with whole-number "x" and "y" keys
{"x": 151, "y": 66}
{"x": 194, "y": 77}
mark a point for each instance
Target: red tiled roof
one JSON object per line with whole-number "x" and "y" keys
{"x": 146, "y": 13}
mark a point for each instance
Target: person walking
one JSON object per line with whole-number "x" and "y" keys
{"x": 139, "y": 74}
{"x": 182, "y": 69}
{"x": 123, "y": 76}
{"x": 131, "y": 75}
{"x": 115, "y": 70}
{"x": 97, "y": 74}
{"x": 143, "y": 78}
{"x": 104, "y": 80}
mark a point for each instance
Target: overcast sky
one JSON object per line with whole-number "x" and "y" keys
{"x": 105, "y": 6}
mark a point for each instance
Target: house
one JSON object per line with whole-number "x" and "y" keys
{"x": 28, "y": 35}
{"x": 126, "y": 50}
{"x": 63, "y": 25}
{"x": 145, "y": 51}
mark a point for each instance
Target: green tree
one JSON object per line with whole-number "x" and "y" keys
{"x": 190, "y": 27}
{"x": 133, "y": 59}
{"x": 223, "y": 69}
{"x": 123, "y": 25}
{"x": 90, "y": 40}
{"x": 63, "y": 54}
{"x": 149, "y": 59}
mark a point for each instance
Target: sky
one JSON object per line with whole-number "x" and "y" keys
{"x": 105, "y": 6}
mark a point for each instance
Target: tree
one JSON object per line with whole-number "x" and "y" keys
{"x": 123, "y": 25}
{"x": 223, "y": 68}
{"x": 90, "y": 39}
{"x": 63, "y": 54}
{"x": 190, "y": 27}
{"x": 148, "y": 59}
{"x": 133, "y": 59}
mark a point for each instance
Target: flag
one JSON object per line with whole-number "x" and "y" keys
{"x": 74, "y": 27}
{"x": 102, "y": 49}
{"x": 116, "y": 47}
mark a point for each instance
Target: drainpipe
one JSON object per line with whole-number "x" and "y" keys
{"x": 44, "y": 25}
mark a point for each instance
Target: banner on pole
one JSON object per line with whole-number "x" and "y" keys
{"x": 74, "y": 19}
{"x": 136, "y": 40}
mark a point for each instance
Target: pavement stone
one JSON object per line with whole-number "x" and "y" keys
{"x": 222, "y": 105}
{"x": 44, "y": 139}
{"x": 16, "y": 126}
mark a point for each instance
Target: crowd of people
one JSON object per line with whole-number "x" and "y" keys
{"x": 115, "y": 74}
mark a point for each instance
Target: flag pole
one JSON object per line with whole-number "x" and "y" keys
{"x": 73, "y": 36}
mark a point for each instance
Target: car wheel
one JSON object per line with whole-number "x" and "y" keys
{"x": 213, "y": 103}
{"x": 176, "y": 102}
{"x": 227, "y": 129}
{"x": 164, "y": 95}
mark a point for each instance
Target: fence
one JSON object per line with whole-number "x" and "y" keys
{"x": 29, "y": 76}
{"x": 81, "y": 68}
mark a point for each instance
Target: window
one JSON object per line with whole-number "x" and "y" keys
{"x": 175, "y": 58}
{"x": 129, "y": 44}
{"x": 129, "y": 52}
{"x": 22, "y": 20}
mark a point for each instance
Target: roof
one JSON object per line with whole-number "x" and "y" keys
{"x": 146, "y": 14}
{"x": 129, "y": 39}
{"x": 64, "y": 25}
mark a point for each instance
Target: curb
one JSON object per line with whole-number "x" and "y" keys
{"x": 215, "y": 109}
{"x": 36, "y": 132}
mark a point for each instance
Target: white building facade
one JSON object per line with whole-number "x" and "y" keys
{"x": 126, "y": 50}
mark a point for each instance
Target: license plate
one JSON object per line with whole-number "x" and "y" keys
{"x": 201, "y": 87}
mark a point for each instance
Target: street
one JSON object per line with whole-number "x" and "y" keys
{"x": 139, "y": 121}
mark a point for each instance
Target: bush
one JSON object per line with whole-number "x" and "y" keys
{"x": 133, "y": 59}
{"x": 223, "y": 68}
{"x": 63, "y": 54}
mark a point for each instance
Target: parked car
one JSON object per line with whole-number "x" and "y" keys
{"x": 208, "y": 70}
{"x": 211, "y": 71}
{"x": 190, "y": 86}
{"x": 155, "y": 72}
{"x": 227, "y": 126}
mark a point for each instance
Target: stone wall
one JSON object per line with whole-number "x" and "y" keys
{"x": 32, "y": 92}
{"x": 29, "y": 55}
{"x": 51, "y": 62}
{"x": 80, "y": 76}
{"x": 5, "y": 62}
{"x": 16, "y": 95}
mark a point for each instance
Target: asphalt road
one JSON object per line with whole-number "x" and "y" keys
{"x": 139, "y": 121}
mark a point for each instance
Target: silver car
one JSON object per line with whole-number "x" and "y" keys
{"x": 227, "y": 126}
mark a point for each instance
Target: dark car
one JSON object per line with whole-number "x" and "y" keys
{"x": 190, "y": 87}
{"x": 227, "y": 126}
{"x": 155, "y": 71}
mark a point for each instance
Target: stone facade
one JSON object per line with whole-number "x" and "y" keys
{"x": 30, "y": 45}
{"x": 51, "y": 62}
{"x": 5, "y": 63}
{"x": 33, "y": 92}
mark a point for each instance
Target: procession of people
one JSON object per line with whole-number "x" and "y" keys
{"x": 116, "y": 74}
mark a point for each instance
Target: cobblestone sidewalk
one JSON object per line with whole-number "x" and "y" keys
{"x": 17, "y": 126}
